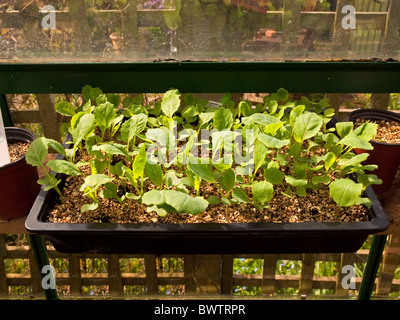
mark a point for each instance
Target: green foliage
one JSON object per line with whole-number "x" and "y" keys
{"x": 253, "y": 151}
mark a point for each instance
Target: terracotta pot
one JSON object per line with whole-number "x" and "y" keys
{"x": 385, "y": 155}
{"x": 18, "y": 180}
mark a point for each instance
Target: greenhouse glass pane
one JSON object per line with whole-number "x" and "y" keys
{"x": 198, "y": 30}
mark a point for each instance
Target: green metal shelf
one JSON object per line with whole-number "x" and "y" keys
{"x": 208, "y": 77}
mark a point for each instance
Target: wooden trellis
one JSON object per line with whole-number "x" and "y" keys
{"x": 202, "y": 275}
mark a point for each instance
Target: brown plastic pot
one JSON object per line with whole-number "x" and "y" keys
{"x": 385, "y": 155}
{"x": 18, "y": 180}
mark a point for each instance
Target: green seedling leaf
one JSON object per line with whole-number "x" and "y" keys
{"x": 244, "y": 108}
{"x": 330, "y": 160}
{"x": 117, "y": 169}
{"x": 153, "y": 197}
{"x": 49, "y": 181}
{"x": 89, "y": 206}
{"x": 158, "y": 135}
{"x": 223, "y": 119}
{"x": 301, "y": 191}
{"x": 241, "y": 196}
{"x": 161, "y": 210}
{"x": 321, "y": 179}
{"x": 331, "y": 141}
{"x": 104, "y": 115}
{"x": 263, "y": 191}
{"x": 93, "y": 182}
{"x": 155, "y": 173}
{"x": 345, "y": 192}
{"x": 110, "y": 191}
{"x": 102, "y": 98}
{"x": 369, "y": 167}
{"x": 85, "y": 108}
{"x": 170, "y": 102}
{"x": 135, "y": 109}
{"x": 184, "y": 203}
{"x": 37, "y": 152}
{"x": 83, "y": 128}
{"x": 282, "y": 94}
{"x": 171, "y": 179}
{"x": 181, "y": 202}
{"x": 324, "y": 103}
{"x": 272, "y": 106}
{"x": 202, "y": 170}
{"x": 296, "y": 182}
{"x": 328, "y": 113}
{"x": 356, "y": 142}
{"x": 213, "y": 200}
{"x": 112, "y": 149}
{"x": 250, "y": 133}
{"x": 274, "y": 175}
{"x": 139, "y": 163}
{"x": 86, "y": 92}
{"x": 132, "y": 196}
{"x": 260, "y": 153}
{"x": 56, "y": 146}
{"x": 297, "y": 111}
{"x": 281, "y": 159}
{"x": 260, "y": 119}
{"x": 354, "y": 160}
{"x": 191, "y": 112}
{"x": 226, "y": 201}
{"x": 98, "y": 166}
{"x": 306, "y": 126}
{"x": 272, "y": 142}
{"x": 135, "y": 125}
{"x": 360, "y": 137}
{"x": 295, "y": 149}
{"x": 272, "y": 128}
{"x": 364, "y": 201}
{"x": 344, "y": 128}
{"x": 368, "y": 179}
{"x": 65, "y": 108}
{"x": 95, "y": 92}
{"x": 189, "y": 98}
{"x": 205, "y": 117}
{"x": 116, "y": 124}
{"x": 299, "y": 168}
{"x": 114, "y": 99}
{"x": 63, "y": 166}
{"x": 367, "y": 131}
{"x": 228, "y": 180}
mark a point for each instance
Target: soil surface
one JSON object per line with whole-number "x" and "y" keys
{"x": 317, "y": 206}
{"x": 17, "y": 150}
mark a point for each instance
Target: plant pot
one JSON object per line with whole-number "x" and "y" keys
{"x": 204, "y": 238}
{"x": 18, "y": 180}
{"x": 385, "y": 155}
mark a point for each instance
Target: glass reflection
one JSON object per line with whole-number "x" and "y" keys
{"x": 198, "y": 30}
